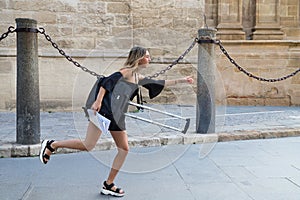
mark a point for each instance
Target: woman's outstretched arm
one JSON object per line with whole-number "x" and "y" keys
{"x": 187, "y": 79}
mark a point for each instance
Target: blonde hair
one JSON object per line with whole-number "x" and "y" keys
{"x": 135, "y": 55}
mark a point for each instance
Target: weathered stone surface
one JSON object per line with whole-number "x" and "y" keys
{"x": 144, "y": 141}
{"x": 118, "y": 7}
{"x": 34, "y": 150}
{"x": 167, "y": 28}
{"x": 5, "y": 150}
{"x": 20, "y": 150}
{"x": 169, "y": 138}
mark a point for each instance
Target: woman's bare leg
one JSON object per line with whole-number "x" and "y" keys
{"x": 121, "y": 140}
{"x": 92, "y": 136}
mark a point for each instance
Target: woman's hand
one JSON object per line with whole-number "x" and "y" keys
{"x": 96, "y": 106}
{"x": 189, "y": 79}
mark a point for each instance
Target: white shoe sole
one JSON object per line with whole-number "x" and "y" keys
{"x": 108, "y": 192}
{"x": 43, "y": 149}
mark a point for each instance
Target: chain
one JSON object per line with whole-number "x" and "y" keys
{"x": 69, "y": 58}
{"x": 42, "y": 31}
{"x": 218, "y": 42}
{"x": 11, "y": 29}
{"x": 175, "y": 62}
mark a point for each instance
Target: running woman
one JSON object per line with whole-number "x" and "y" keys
{"x": 112, "y": 102}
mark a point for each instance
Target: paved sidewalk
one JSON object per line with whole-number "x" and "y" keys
{"x": 245, "y": 170}
{"x": 232, "y": 123}
{"x": 162, "y": 164}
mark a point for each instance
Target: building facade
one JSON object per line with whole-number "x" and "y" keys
{"x": 261, "y": 35}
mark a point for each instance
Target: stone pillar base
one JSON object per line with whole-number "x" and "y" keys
{"x": 264, "y": 33}
{"x": 230, "y": 32}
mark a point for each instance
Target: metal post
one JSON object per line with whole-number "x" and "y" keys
{"x": 28, "y": 101}
{"x": 205, "y": 114}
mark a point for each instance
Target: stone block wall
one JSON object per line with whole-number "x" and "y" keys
{"x": 99, "y": 33}
{"x": 254, "y": 19}
{"x": 266, "y": 59}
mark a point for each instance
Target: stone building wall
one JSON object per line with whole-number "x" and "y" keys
{"x": 254, "y": 19}
{"x": 264, "y": 37}
{"x": 99, "y": 33}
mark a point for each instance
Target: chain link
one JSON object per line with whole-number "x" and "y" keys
{"x": 218, "y": 42}
{"x": 175, "y": 62}
{"x": 69, "y": 58}
{"x": 11, "y": 29}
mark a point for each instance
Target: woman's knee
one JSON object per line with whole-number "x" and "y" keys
{"x": 124, "y": 149}
{"x": 121, "y": 140}
{"x": 89, "y": 146}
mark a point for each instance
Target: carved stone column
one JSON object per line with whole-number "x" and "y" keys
{"x": 211, "y": 12}
{"x": 249, "y": 14}
{"x": 267, "y": 21}
{"x": 230, "y": 20}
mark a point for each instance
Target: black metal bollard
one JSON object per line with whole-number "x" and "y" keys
{"x": 28, "y": 100}
{"x": 205, "y": 114}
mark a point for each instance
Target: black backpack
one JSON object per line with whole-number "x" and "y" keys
{"x": 93, "y": 95}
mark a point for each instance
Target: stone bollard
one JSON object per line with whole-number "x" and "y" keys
{"x": 28, "y": 100}
{"x": 205, "y": 113}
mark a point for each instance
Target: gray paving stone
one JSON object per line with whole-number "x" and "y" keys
{"x": 254, "y": 170}
{"x": 218, "y": 190}
{"x": 270, "y": 188}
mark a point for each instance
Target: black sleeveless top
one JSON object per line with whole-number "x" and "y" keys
{"x": 119, "y": 92}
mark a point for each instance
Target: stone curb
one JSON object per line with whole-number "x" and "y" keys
{"x": 17, "y": 150}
